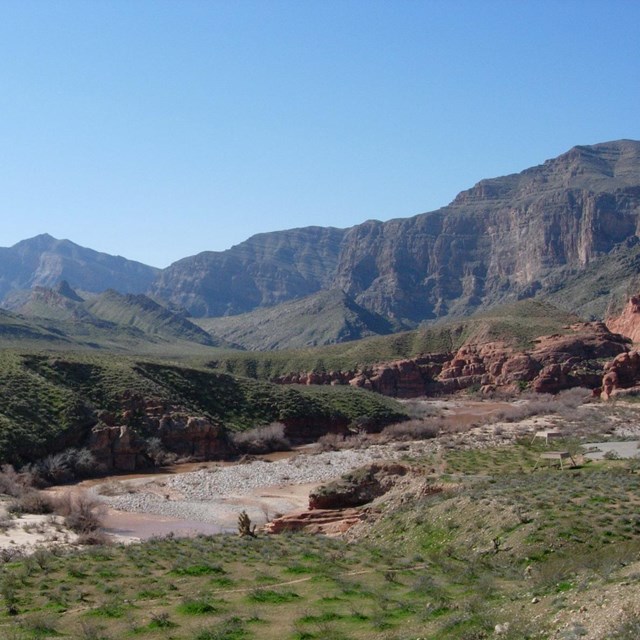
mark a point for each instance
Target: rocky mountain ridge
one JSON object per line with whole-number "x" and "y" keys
{"x": 507, "y": 238}
{"x": 46, "y": 261}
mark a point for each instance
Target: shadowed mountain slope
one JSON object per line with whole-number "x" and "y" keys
{"x": 326, "y": 317}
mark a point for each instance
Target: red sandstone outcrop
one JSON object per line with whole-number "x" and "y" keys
{"x": 195, "y": 437}
{"x": 556, "y": 362}
{"x": 622, "y": 375}
{"x": 118, "y": 448}
{"x": 628, "y": 322}
{"x": 330, "y": 522}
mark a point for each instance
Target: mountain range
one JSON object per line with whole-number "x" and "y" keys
{"x": 566, "y": 230}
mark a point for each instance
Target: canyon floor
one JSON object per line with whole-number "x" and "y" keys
{"x": 206, "y": 498}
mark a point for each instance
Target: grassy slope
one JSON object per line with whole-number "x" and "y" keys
{"x": 49, "y": 401}
{"x": 109, "y": 321}
{"x": 144, "y": 314}
{"x": 519, "y": 323}
{"x": 445, "y": 567}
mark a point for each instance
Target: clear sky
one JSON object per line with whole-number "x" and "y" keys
{"x": 156, "y": 129}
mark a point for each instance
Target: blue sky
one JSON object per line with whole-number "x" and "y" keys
{"x": 155, "y": 129}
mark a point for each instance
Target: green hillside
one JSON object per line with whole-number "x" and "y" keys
{"x": 142, "y": 313}
{"x": 49, "y": 402}
{"x": 109, "y": 321}
{"x": 518, "y": 324}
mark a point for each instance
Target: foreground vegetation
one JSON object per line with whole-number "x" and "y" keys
{"x": 487, "y": 545}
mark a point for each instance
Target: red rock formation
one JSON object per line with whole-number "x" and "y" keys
{"x": 556, "y": 362}
{"x": 118, "y": 448}
{"x": 330, "y": 522}
{"x": 195, "y": 437}
{"x": 117, "y": 441}
{"x": 628, "y": 322}
{"x": 622, "y": 375}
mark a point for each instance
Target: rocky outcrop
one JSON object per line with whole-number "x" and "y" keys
{"x": 628, "y": 322}
{"x": 331, "y": 507}
{"x": 357, "y": 488}
{"x": 400, "y": 379}
{"x": 194, "y": 437}
{"x": 118, "y": 448}
{"x": 622, "y": 376}
{"x": 556, "y": 362}
{"x": 328, "y": 522}
{"x": 121, "y": 440}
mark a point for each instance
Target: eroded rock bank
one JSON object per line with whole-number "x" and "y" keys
{"x": 336, "y": 507}
{"x": 554, "y": 363}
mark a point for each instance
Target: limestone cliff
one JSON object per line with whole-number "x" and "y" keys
{"x": 506, "y": 238}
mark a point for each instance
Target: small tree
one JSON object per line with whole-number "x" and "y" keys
{"x": 244, "y": 525}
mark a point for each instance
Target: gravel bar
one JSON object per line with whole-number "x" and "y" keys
{"x": 202, "y": 489}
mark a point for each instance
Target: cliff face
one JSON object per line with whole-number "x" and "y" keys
{"x": 504, "y": 239}
{"x": 628, "y": 322}
{"x": 263, "y": 271}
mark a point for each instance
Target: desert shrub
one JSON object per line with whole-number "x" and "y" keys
{"x": 82, "y": 513}
{"x": 337, "y": 442}
{"x": 230, "y": 629}
{"x": 62, "y": 467}
{"x": 36, "y": 502}
{"x": 262, "y": 439}
{"x": 412, "y": 430}
{"x": 420, "y": 409}
{"x": 628, "y": 630}
{"x": 90, "y": 630}
{"x": 93, "y": 538}
{"x": 40, "y": 625}
{"x": 197, "y": 606}
{"x": 534, "y": 404}
{"x": 13, "y": 483}
{"x": 158, "y": 454}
